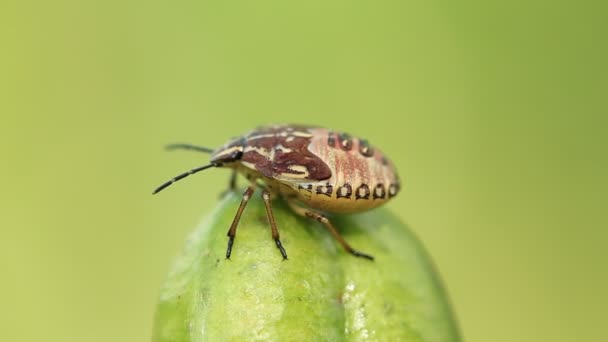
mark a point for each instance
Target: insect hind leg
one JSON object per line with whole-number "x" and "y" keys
{"x": 302, "y": 211}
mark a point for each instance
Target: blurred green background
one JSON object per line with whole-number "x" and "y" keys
{"x": 493, "y": 113}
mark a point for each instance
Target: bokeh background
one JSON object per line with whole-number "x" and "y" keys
{"x": 494, "y": 113}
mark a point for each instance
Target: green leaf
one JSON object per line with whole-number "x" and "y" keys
{"x": 321, "y": 293}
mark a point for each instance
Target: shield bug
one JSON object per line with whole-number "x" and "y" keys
{"x": 314, "y": 169}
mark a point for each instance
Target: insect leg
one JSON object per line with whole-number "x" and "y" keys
{"x": 231, "y": 185}
{"x": 325, "y": 221}
{"x": 232, "y": 231}
{"x": 273, "y": 225}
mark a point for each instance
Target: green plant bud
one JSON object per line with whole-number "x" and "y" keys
{"x": 321, "y": 293}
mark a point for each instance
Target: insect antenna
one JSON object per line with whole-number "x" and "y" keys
{"x": 189, "y": 147}
{"x": 184, "y": 175}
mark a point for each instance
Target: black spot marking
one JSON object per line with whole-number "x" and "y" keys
{"x": 331, "y": 139}
{"x": 384, "y": 160}
{"x": 362, "y": 192}
{"x": 328, "y": 190}
{"x": 365, "y": 149}
{"x": 346, "y": 142}
{"x": 307, "y": 188}
{"x": 379, "y": 191}
{"x": 393, "y": 189}
{"x": 347, "y": 188}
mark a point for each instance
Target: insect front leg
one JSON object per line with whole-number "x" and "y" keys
{"x": 273, "y": 225}
{"x": 235, "y": 222}
{"x": 231, "y": 185}
{"x": 232, "y": 182}
{"x": 300, "y": 210}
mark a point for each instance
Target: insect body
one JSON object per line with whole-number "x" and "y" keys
{"x": 314, "y": 169}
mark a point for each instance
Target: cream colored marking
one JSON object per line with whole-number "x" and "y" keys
{"x": 260, "y": 136}
{"x": 298, "y": 168}
{"x": 290, "y": 138}
{"x": 292, "y": 133}
{"x": 260, "y": 150}
{"x": 361, "y": 192}
{"x": 378, "y": 191}
{"x": 325, "y": 190}
{"x": 228, "y": 151}
{"x": 343, "y": 191}
{"x": 301, "y": 134}
{"x": 248, "y": 165}
{"x": 283, "y": 148}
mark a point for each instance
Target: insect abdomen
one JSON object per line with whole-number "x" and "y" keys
{"x": 362, "y": 177}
